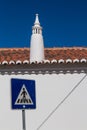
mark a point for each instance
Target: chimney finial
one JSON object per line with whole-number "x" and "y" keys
{"x": 37, "y": 20}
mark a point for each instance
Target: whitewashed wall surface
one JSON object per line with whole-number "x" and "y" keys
{"x": 50, "y": 92}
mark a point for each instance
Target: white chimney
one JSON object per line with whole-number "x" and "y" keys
{"x": 36, "y": 44}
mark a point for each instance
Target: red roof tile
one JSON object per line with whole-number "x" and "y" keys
{"x": 66, "y": 53}
{"x": 15, "y": 54}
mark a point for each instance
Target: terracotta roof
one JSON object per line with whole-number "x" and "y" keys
{"x": 17, "y": 55}
{"x": 14, "y": 54}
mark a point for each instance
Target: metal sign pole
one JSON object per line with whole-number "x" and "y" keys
{"x": 23, "y": 119}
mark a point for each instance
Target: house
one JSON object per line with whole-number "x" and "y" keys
{"x": 61, "y": 79}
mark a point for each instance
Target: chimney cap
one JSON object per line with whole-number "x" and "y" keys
{"x": 37, "y": 20}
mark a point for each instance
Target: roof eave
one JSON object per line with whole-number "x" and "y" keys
{"x": 43, "y": 68}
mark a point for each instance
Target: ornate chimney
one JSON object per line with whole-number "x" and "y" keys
{"x": 36, "y": 44}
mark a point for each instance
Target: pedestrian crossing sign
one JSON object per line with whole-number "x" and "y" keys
{"x": 23, "y": 94}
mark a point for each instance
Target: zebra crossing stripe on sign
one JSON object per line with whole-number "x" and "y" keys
{"x": 24, "y": 97}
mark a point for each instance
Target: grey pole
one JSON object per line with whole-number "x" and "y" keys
{"x": 23, "y": 119}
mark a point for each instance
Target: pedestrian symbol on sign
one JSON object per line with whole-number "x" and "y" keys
{"x": 23, "y": 97}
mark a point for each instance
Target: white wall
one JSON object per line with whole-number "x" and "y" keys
{"x": 50, "y": 91}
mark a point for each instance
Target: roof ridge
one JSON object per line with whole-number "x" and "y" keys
{"x": 52, "y": 48}
{"x": 14, "y": 48}
{"x": 65, "y": 48}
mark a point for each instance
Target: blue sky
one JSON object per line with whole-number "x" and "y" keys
{"x": 64, "y": 22}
